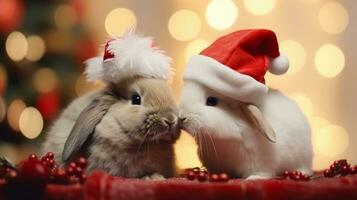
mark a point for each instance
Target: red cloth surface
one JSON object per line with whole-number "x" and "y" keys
{"x": 102, "y": 186}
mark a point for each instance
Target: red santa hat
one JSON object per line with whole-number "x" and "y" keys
{"x": 129, "y": 56}
{"x": 235, "y": 64}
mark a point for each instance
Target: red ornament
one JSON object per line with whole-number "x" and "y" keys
{"x": 34, "y": 171}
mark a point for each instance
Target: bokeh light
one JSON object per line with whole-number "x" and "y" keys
{"x": 259, "y": 7}
{"x": 119, "y": 20}
{"x": 3, "y": 79}
{"x": 36, "y": 48}
{"x": 333, "y": 18}
{"x": 2, "y": 109}
{"x": 195, "y": 47}
{"x": 329, "y": 60}
{"x": 65, "y": 17}
{"x": 221, "y": 14}
{"x": 296, "y": 54}
{"x": 83, "y": 86}
{"x": 304, "y": 102}
{"x": 13, "y": 113}
{"x": 332, "y": 140}
{"x": 186, "y": 152}
{"x": 16, "y": 46}
{"x": 31, "y": 123}
{"x": 45, "y": 80}
{"x": 184, "y": 25}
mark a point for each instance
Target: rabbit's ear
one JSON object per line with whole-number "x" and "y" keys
{"x": 84, "y": 127}
{"x": 261, "y": 123}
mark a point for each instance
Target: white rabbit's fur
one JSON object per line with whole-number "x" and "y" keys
{"x": 228, "y": 142}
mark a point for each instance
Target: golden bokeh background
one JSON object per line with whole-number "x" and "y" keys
{"x": 318, "y": 36}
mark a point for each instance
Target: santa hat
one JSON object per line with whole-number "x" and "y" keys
{"x": 129, "y": 56}
{"x": 235, "y": 64}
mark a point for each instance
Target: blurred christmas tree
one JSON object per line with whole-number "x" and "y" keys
{"x": 43, "y": 46}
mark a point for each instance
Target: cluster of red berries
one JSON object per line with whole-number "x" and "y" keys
{"x": 44, "y": 170}
{"x": 295, "y": 175}
{"x": 202, "y": 175}
{"x": 340, "y": 167}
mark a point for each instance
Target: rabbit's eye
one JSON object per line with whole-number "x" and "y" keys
{"x": 211, "y": 101}
{"x": 136, "y": 99}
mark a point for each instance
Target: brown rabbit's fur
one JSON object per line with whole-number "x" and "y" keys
{"x": 129, "y": 140}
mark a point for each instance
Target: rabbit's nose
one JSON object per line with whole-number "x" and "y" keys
{"x": 170, "y": 120}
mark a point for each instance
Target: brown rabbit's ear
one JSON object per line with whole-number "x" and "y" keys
{"x": 84, "y": 127}
{"x": 260, "y": 122}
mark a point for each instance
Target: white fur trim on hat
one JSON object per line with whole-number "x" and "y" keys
{"x": 279, "y": 65}
{"x": 133, "y": 56}
{"x": 222, "y": 79}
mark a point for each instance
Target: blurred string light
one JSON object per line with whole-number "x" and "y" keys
{"x": 333, "y": 17}
{"x": 2, "y": 109}
{"x": 45, "y": 80}
{"x": 304, "y": 102}
{"x": 195, "y": 47}
{"x": 332, "y": 141}
{"x": 36, "y": 48}
{"x": 296, "y": 53}
{"x": 184, "y": 25}
{"x": 31, "y": 123}
{"x": 13, "y": 113}
{"x": 259, "y": 7}
{"x": 82, "y": 86}
{"x": 221, "y": 14}
{"x": 16, "y": 46}
{"x": 65, "y": 17}
{"x": 186, "y": 152}
{"x": 329, "y": 60}
{"x": 119, "y": 20}
{"x": 3, "y": 79}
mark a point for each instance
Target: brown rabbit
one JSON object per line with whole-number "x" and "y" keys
{"x": 127, "y": 129}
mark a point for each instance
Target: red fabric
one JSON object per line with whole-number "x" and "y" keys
{"x": 102, "y": 186}
{"x": 245, "y": 51}
{"x": 107, "y": 54}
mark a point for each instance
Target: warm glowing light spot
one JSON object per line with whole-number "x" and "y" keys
{"x": 329, "y": 60}
{"x": 65, "y": 17}
{"x": 45, "y": 80}
{"x": 333, "y": 18}
{"x": 16, "y": 46}
{"x": 304, "y": 102}
{"x": 13, "y": 113}
{"x": 119, "y": 20}
{"x": 184, "y": 25}
{"x": 259, "y": 7}
{"x": 221, "y": 14}
{"x": 2, "y": 109}
{"x": 36, "y": 48}
{"x": 186, "y": 152}
{"x": 83, "y": 86}
{"x": 332, "y": 140}
{"x": 31, "y": 122}
{"x": 296, "y": 54}
{"x": 195, "y": 47}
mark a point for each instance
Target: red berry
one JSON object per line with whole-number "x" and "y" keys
{"x": 50, "y": 155}
{"x": 78, "y": 171}
{"x": 328, "y": 173}
{"x": 202, "y": 176}
{"x": 191, "y": 175}
{"x": 83, "y": 177}
{"x": 286, "y": 173}
{"x": 45, "y": 159}
{"x": 32, "y": 157}
{"x": 82, "y": 162}
{"x": 73, "y": 180}
{"x": 34, "y": 171}
{"x": 223, "y": 177}
{"x": 11, "y": 175}
{"x": 214, "y": 178}
{"x": 296, "y": 177}
{"x": 51, "y": 163}
{"x": 70, "y": 171}
{"x": 293, "y": 173}
{"x": 60, "y": 176}
{"x": 345, "y": 170}
{"x": 342, "y": 162}
{"x": 305, "y": 177}
{"x": 72, "y": 164}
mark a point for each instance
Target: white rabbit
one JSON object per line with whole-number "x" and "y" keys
{"x": 245, "y": 140}
{"x": 241, "y": 126}
{"x": 129, "y": 128}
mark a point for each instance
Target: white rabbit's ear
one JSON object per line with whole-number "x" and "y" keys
{"x": 261, "y": 123}
{"x": 84, "y": 127}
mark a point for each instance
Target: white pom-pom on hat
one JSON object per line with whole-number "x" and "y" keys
{"x": 129, "y": 56}
{"x": 279, "y": 65}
